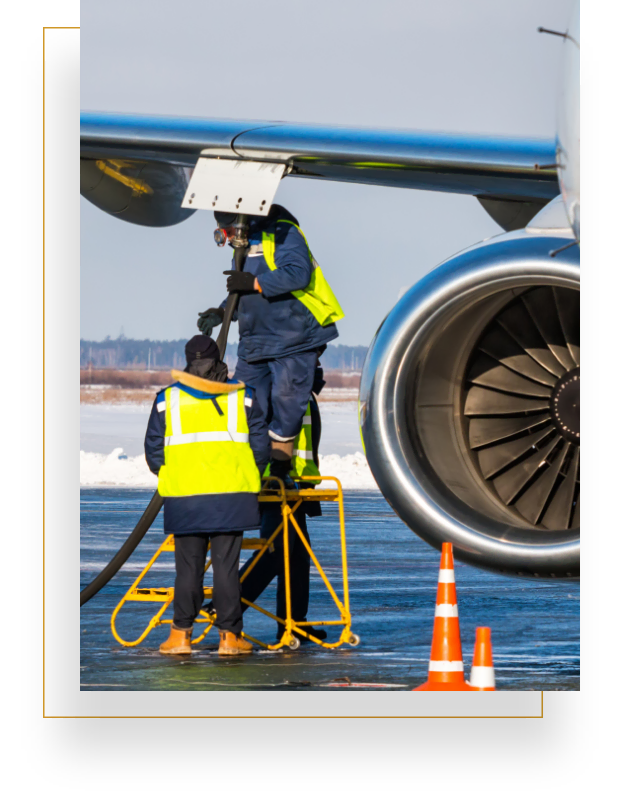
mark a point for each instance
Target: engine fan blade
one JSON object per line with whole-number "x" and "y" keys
{"x": 487, "y": 372}
{"x": 541, "y": 305}
{"x": 510, "y": 483}
{"x": 532, "y": 502}
{"x": 568, "y": 310}
{"x": 483, "y": 431}
{"x": 484, "y": 401}
{"x": 494, "y": 459}
{"x": 517, "y": 321}
{"x": 499, "y": 345}
{"x": 575, "y": 522}
{"x": 557, "y": 514}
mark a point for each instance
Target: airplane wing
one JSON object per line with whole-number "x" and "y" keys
{"x": 137, "y": 167}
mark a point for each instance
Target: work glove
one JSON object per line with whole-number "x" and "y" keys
{"x": 210, "y": 318}
{"x": 239, "y": 281}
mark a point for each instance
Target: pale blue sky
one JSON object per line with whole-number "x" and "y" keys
{"x": 477, "y": 66}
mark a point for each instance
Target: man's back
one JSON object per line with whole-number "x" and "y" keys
{"x": 207, "y": 455}
{"x": 276, "y": 323}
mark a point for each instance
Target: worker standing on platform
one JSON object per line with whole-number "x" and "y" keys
{"x": 206, "y": 443}
{"x": 287, "y": 313}
{"x": 271, "y": 564}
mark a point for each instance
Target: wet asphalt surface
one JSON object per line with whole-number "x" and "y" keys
{"x": 393, "y": 582}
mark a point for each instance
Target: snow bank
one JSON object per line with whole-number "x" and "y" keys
{"x": 352, "y": 470}
{"x": 116, "y": 469}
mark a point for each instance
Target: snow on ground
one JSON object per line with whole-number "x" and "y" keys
{"x": 105, "y": 427}
{"x": 116, "y": 469}
{"x": 112, "y": 446}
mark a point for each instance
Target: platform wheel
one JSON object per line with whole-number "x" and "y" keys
{"x": 353, "y": 640}
{"x": 294, "y": 643}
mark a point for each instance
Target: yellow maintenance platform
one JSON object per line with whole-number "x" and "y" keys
{"x": 290, "y": 501}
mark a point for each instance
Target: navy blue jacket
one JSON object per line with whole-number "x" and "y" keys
{"x": 226, "y": 513}
{"x": 273, "y": 324}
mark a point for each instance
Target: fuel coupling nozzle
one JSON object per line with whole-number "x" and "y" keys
{"x": 239, "y": 238}
{"x": 231, "y": 228}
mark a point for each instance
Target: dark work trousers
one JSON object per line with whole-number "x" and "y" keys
{"x": 272, "y": 565}
{"x": 282, "y": 387}
{"x": 190, "y": 554}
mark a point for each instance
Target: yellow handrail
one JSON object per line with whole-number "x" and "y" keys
{"x": 290, "y": 501}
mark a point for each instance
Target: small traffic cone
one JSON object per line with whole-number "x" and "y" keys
{"x": 482, "y": 674}
{"x": 445, "y": 669}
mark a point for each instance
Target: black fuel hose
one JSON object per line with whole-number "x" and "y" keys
{"x": 229, "y": 309}
{"x": 155, "y": 504}
{"x": 139, "y": 531}
{"x": 231, "y": 304}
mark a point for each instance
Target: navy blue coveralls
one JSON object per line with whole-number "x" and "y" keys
{"x": 279, "y": 338}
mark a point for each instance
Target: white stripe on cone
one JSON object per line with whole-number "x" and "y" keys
{"x": 446, "y": 610}
{"x": 482, "y": 676}
{"x": 446, "y": 575}
{"x": 445, "y": 667}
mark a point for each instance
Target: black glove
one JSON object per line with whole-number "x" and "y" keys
{"x": 239, "y": 281}
{"x": 210, "y": 318}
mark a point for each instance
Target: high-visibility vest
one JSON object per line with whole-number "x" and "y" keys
{"x": 303, "y": 456}
{"x": 302, "y": 463}
{"x": 318, "y": 296}
{"x": 207, "y": 446}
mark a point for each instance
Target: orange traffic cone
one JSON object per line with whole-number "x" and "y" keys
{"x": 445, "y": 670}
{"x": 482, "y": 674}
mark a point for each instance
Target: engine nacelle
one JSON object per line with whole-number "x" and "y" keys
{"x": 469, "y": 406}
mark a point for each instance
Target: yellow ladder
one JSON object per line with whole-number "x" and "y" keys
{"x": 290, "y": 501}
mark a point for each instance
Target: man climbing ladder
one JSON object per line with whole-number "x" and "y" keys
{"x": 287, "y": 313}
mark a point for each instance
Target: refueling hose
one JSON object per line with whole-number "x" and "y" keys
{"x": 139, "y": 531}
{"x": 231, "y": 304}
{"x": 155, "y": 504}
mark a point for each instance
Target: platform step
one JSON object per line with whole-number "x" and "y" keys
{"x": 299, "y": 495}
{"x": 157, "y": 595}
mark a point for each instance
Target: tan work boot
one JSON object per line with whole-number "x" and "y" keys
{"x": 233, "y": 644}
{"x": 178, "y": 642}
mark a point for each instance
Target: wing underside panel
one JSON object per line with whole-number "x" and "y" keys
{"x": 499, "y": 170}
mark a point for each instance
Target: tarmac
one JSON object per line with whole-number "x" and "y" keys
{"x": 393, "y": 582}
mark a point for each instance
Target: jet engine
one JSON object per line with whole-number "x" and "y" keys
{"x": 469, "y": 406}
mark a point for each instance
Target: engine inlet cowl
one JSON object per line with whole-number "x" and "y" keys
{"x": 469, "y": 406}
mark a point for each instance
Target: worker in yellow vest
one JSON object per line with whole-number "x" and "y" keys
{"x": 206, "y": 443}
{"x": 287, "y": 313}
{"x": 271, "y": 564}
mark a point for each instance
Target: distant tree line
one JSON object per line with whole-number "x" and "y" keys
{"x": 129, "y": 353}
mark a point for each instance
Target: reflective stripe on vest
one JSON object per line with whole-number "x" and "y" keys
{"x": 318, "y": 296}
{"x": 303, "y": 457}
{"x": 196, "y": 461}
{"x": 177, "y": 436}
{"x": 302, "y": 463}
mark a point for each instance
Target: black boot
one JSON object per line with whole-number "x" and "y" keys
{"x": 318, "y": 633}
{"x": 209, "y": 609}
